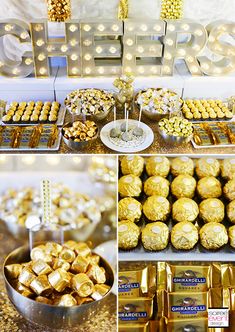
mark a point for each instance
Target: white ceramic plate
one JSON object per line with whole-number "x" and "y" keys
{"x": 104, "y": 136}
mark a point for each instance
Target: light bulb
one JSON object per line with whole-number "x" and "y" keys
{"x": 129, "y": 42}
{"x": 73, "y": 28}
{"x": 40, "y": 42}
{"x": 86, "y": 27}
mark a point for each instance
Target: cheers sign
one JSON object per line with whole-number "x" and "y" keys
{"x": 110, "y": 48}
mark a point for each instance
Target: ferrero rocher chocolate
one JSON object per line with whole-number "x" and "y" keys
{"x": 184, "y": 235}
{"x": 158, "y": 166}
{"x": 231, "y": 211}
{"x": 185, "y": 209}
{"x": 155, "y": 236}
{"x": 228, "y": 168}
{"x": 207, "y": 167}
{"x": 231, "y": 235}
{"x": 213, "y": 235}
{"x": 182, "y": 165}
{"x": 211, "y": 209}
{"x": 157, "y": 185}
{"x": 229, "y": 190}
{"x": 209, "y": 187}
{"x": 129, "y": 209}
{"x": 132, "y": 165}
{"x": 128, "y": 235}
{"x": 130, "y": 186}
{"x": 183, "y": 186}
{"x": 156, "y": 208}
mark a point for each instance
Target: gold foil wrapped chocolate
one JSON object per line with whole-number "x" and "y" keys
{"x": 184, "y": 235}
{"x": 100, "y": 291}
{"x": 183, "y": 186}
{"x": 228, "y": 168}
{"x": 66, "y": 300}
{"x": 157, "y": 185}
{"x": 129, "y": 209}
{"x": 231, "y": 236}
{"x": 155, "y": 236}
{"x": 41, "y": 286}
{"x": 158, "y": 166}
{"x": 13, "y": 270}
{"x": 156, "y": 208}
{"x": 96, "y": 274}
{"x": 187, "y": 325}
{"x": 185, "y": 209}
{"x": 213, "y": 236}
{"x": 82, "y": 249}
{"x": 137, "y": 283}
{"x": 209, "y": 187}
{"x": 82, "y": 284}
{"x": 130, "y": 186}
{"x": 128, "y": 235}
{"x": 230, "y": 209}
{"x": 59, "y": 279}
{"x": 229, "y": 190}
{"x": 132, "y": 165}
{"x": 135, "y": 309}
{"x": 80, "y": 264}
{"x": 67, "y": 255}
{"x": 40, "y": 267}
{"x": 211, "y": 210}
{"x": 26, "y": 276}
{"x": 182, "y": 166}
{"x": 207, "y": 167}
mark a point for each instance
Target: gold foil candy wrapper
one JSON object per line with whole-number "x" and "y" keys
{"x": 155, "y": 236}
{"x": 94, "y": 259}
{"x": 80, "y": 264}
{"x": 213, "y": 236}
{"x": 82, "y": 249}
{"x": 188, "y": 278}
{"x": 13, "y": 270}
{"x": 83, "y": 285}
{"x": 209, "y": 187}
{"x": 185, "y": 209}
{"x": 207, "y": 167}
{"x": 180, "y": 305}
{"x": 59, "y": 280}
{"x": 228, "y": 168}
{"x": 38, "y": 252}
{"x": 231, "y": 235}
{"x": 212, "y": 210}
{"x": 135, "y": 327}
{"x": 60, "y": 263}
{"x": 230, "y": 209}
{"x": 129, "y": 209}
{"x": 229, "y": 190}
{"x": 156, "y": 208}
{"x": 53, "y": 249}
{"x": 66, "y": 300}
{"x": 216, "y": 298}
{"x": 100, "y": 291}
{"x": 137, "y": 283}
{"x": 130, "y": 186}
{"x": 158, "y": 166}
{"x": 96, "y": 274}
{"x": 157, "y": 185}
{"x": 40, "y": 267}
{"x": 184, "y": 235}
{"x": 132, "y": 165}
{"x": 70, "y": 244}
{"x": 135, "y": 309}
{"x": 23, "y": 290}
{"x": 183, "y": 186}
{"x": 26, "y": 277}
{"x": 186, "y": 325}
{"x": 83, "y": 300}
{"x": 182, "y": 166}
{"x": 67, "y": 255}
{"x": 128, "y": 235}
{"x": 41, "y": 286}
{"x": 44, "y": 300}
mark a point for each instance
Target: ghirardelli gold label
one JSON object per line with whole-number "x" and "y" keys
{"x": 135, "y": 310}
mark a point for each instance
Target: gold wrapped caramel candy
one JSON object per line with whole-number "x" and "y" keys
{"x": 96, "y": 274}
{"x": 213, "y": 235}
{"x": 83, "y": 285}
{"x": 228, "y": 168}
{"x": 158, "y": 166}
{"x": 128, "y": 234}
{"x": 40, "y": 285}
{"x": 26, "y": 276}
{"x": 129, "y": 209}
{"x": 156, "y": 208}
{"x": 42, "y": 299}
{"x": 132, "y": 165}
{"x": 80, "y": 264}
{"x": 13, "y": 270}
{"x": 157, "y": 185}
{"x": 231, "y": 211}
{"x": 94, "y": 259}
{"x": 130, "y": 186}
{"x": 229, "y": 190}
{"x": 231, "y": 235}
{"x": 155, "y": 236}
{"x": 185, "y": 209}
{"x": 209, "y": 187}
{"x": 40, "y": 267}
{"x": 23, "y": 290}
{"x": 70, "y": 244}
{"x": 59, "y": 279}
{"x": 53, "y": 249}
{"x": 60, "y": 263}
{"x": 207, "y": 167}
{"x": 82, "y": 249}
{"x": 67, "y": 255}
{"x": 100, "y": 291}
{"x": 182, "y": 166}
{"x": 83, "y": 300}
{"x": 38, "y": 252}
{"x": 66, "y": 300}
{"x": 211, "y": 209}
{"x": 184, "y": 235}
{"x": 183, "y": 186}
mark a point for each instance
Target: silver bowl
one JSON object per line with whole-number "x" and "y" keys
{"x": 174, "y": 140}
{"x": 77, "y": 146}
{"x": 48, "y": 315}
